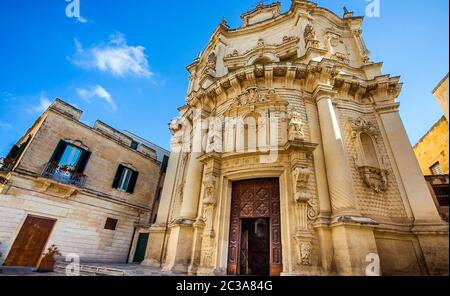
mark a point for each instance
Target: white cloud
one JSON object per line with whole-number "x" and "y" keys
{"x": 43, "y": 105}
{"x": 97, "y": 92}
{"x": 116, "y": 57}
{"x": 8, "y": 97}
{"x": 5, "y": 126}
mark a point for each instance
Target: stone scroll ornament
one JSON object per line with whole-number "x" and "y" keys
{"x": 303, "y": 199}
{"x": 307, "y": 212}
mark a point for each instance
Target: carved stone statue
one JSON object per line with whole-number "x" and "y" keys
{"x": 209, "y": 184}
{"x": 175, "y": 125}
{"x": 310, "y": 37}
{"x": 296, "y": 126}
{"x": 211, "y": 62}
{"x": 211, "y": 142}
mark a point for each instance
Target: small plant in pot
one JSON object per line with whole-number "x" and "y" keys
{"x": 48, "y": 261}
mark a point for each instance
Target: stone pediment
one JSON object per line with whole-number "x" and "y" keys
{"x": 260, "y": 14}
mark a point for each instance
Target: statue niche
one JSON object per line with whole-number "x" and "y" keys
{"x": 370, "y": 167}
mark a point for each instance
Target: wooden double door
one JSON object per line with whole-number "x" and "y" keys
{"x": 29, "y": 245}
{"x": 255, "y": 230}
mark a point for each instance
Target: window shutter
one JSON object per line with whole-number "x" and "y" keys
{"x": 132, "y": 183}
{"x": 117, "y": 177}
{"x": 59, "y": 151}
{"x": 83, "y": 161}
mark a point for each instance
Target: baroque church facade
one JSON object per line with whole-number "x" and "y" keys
{"x": 290, "y": 158}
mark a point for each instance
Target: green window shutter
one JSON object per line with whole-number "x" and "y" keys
{"x": 83, "y": 161}
{"x": 59, "y": 151}
{"x": 132, "y": 183}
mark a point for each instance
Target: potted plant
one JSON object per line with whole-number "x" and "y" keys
{"x": 48, "y": 261}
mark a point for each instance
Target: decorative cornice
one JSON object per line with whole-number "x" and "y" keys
{"x": 326, "y": 77}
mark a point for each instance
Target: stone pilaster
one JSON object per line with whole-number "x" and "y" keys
{"x": 179, "y": 249}
{"x": 351, "y": 235}
{"x": 159, "y": 231}
{"x": 420, "y": 200}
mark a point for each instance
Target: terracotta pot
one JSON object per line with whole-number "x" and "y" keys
{"x": 47, "y": 264}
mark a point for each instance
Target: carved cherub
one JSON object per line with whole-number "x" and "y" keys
{"x": 296, "y": 127}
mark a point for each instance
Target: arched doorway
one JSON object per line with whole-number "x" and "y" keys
{"x": 255, "y": 232}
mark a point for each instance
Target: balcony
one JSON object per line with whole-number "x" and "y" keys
{"x": 64, "y": 174}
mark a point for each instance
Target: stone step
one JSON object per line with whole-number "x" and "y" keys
{"x": 90, "y": 270}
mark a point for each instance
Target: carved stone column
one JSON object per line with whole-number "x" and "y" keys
{"x": 339, "y": 175}
{"x": 191, "y": 193}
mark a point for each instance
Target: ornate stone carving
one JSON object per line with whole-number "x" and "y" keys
{"x": 306, "y": 205}
{"x": 310, "y": 37}
{"x": 304, "y": 248}
{"x": 175, "y": 125}
{"x": 211, "y": 142}
{"x": 209, "y": 183}
{"x": 305, "y": 253}
{"x": 301, "y": 177}
{"x": 296, "y": 127}
{"x": 180, "y": 190}
{"x": 260, "y": 43}
{"x": 289, "y": 38}
{"x": 250, "y": 96}
{"x": 211, "y": 62}
{"x": 360, "y": 125}
{"x": 374, "y": 178}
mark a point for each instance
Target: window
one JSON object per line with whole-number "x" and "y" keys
{"x": 71, "y": 157}
{"x": 125, "y": 179}
{"x": 134, "y": 145}
{"x": 111, "y": 224}
{"x": 164, "y": 164}
{"x": 436, "y": 169}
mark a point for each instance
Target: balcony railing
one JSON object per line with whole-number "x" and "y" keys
{"x": 6, "y": 164}
{"x": 64, "y": 174}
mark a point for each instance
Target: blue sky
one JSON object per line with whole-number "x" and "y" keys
{"x": 124, "y": 62}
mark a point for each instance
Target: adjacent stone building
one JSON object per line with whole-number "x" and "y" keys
{"x": 85, "y": 189}
{"x": 290, "y": 158}
{"x": 432, "y": 153}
